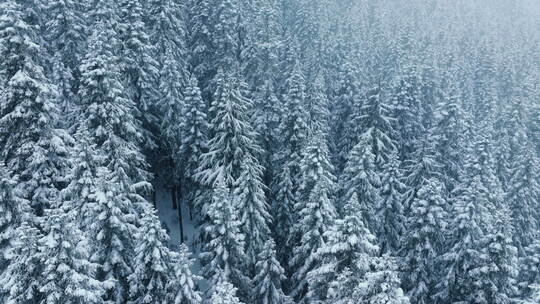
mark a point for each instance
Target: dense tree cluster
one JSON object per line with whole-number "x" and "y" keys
{"x": 329, "y": 151}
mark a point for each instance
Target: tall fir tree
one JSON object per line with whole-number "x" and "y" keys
{"x": 139, "y": 68}
{"x": 345, "y": 255}
{"x": 223, "y": 254}
{"x": 224, "y": 293}
{"x": 11, "y": 214}
{"x": 21, "y": 279}
{"x": 68, "y": 275}
{"x": 33, "y": 148}
{"x": 66, "y": 35}
{"x": 292, "y": 140}
{"x": 424, "y": 242}
{"x": 269, "y": 278}
{"x": 316, "y": 214}
{"x": 390, "y": 212}
{"x": 183, "y": 289}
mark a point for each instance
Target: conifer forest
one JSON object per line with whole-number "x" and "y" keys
{"x": 269, "y": 152}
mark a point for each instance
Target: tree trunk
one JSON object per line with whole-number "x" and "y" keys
{"x": 174, "y": 199}
{"x": 180, "y": 220}
{"x": 154, "y": 198}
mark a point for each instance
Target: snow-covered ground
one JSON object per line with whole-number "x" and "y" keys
{"x": 169, "y": 219}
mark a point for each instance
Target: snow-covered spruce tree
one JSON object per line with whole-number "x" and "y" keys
{"x": 348, "y": 248}
{"x": 183, "y": 289}
{"x": 139, "y": 68}
{"x": 223, "y": 254}
{"x": 374, "y": 118}
{"x": 110, "y": 216}
{"x": 318, "y": 106}
{"x": 115, "y": 207}
{"x": 194, "y": 137}
{"x": 251, "y": 203}
{"x": 20, "y": 281}
{"x": 152, "y": 263}
{"x": 381, "y": 284}
{"x": 168, "y": 35}
{"x": 465, "y": 265}
{"x": 269, "y": 278}
{"x": 315, "y": 211}
{"x": 523, "y": 193}
{"x": 68, "y": 276}
{"x": 231, "y": 136}
{"x": 166, "y": 30}
{"x": 347, "y": 99}
{"x": 359, "y": 178}
{"x": 33, "y": 149}
{"x": 224, "y": 293}
{"x": 422, "y": 166}
{"x": 424, "y": 242}
{"x": 200, "y": 39}
{"x": 172, "y": 106}
{"x": 449, "y": 132}
{"x": 11, "y": 210}
{"x": 66, "y": 31}
{"x": 408, "y": 102}
{"x": 261, "y": 57}
{"x": 389, "y": 209}
{"x": 501, "y": 283}
{"x": 292, "y": 135}
{"x": 106, "y": 112}
{"x": 84, "y": 179}
{"x": 529, "y": 268}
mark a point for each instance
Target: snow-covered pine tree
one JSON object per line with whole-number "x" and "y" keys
{"x": 194, "y": 137}
{"x": 374, "y": 118}
{"x": 66, "y": 31}
{"x": 423, "y": 166}
{"x": 110, "y": 228}
{"x": 345, "y": 255}
{"x": 139, "y": 68}
{"x": 68, "y": 275}
{"x": 106, "y": 112}
{"x": 381, "y": 284}
{"x": 424, "y": 242}
{"x": 347, "y": 97}
{"x": 529, "y": 268}
{"x": 114, "y": 209}
{"x": 251, "y": 203}
{"x": 224, "y": 293}
{"x": 231, "y": 136}
{"x": 152, "y": 263}
{"x": 33, "y": 149}
{"x": 261, "y": 57}
{"x": 200, "y": 40}
{"x": 183, "y": 289}
{"x": 269, "y": 278}
{"x": 389, "y": 209}
{"x": 20, "y": 281}
{"x": 501, "y": 283}
{"x": 223, "y": 254}
{"x": 464, "y": 264}
{"x": 408, "y": 102}
{"x": 359, "y": 178}
{"x": 172, "y": 129}
{"x": 292, "y": 135}
{"x": 11, "y": 211}
{"x": 523, "y": 193}
{"x": 449, "y": 132}
{"x": 318, "y": 106}
{"x": 315, "y": 211}
{"x": 167, "y": 35}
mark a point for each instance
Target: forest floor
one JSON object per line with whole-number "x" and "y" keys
{"x": 169, "y": 219}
